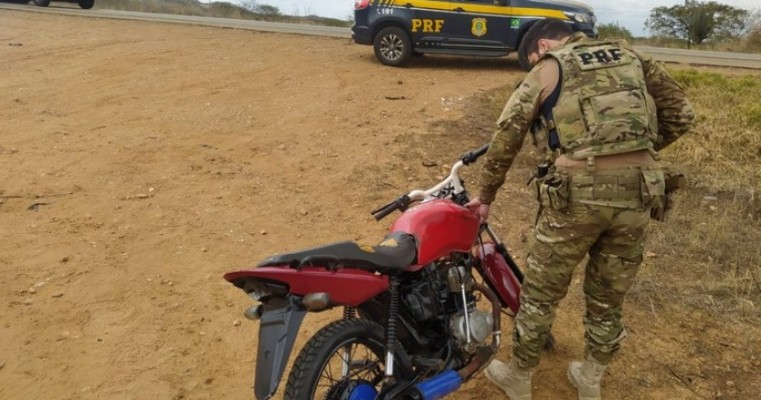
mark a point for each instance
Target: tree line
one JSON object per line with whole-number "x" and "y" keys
{"x": 696, "y": 22}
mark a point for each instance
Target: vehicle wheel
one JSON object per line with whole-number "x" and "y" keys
{"x": 524, "y": 62}
{"x": 86, "y": 4}
{"x": 42, "y": 3}
{"x": 392, "y": 46}
{"x": 342, "y": 360}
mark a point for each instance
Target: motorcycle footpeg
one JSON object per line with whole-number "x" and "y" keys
{"x": 428, "y": 363}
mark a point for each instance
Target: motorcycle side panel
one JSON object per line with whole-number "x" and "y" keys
{"x": 440, "y": 227}
{"x": 345, "y": 286}
{"x": 277, "y": 332}
{"x": 501, "y": 278}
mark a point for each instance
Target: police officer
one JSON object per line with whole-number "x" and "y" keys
{"x": 603, "y": 110}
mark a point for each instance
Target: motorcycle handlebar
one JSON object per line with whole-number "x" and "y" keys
{"x": 453, "y": 179}
{"x": 473, "y": 155}
{"x": 382, "y": 212}
{"x": 398, "y": 204}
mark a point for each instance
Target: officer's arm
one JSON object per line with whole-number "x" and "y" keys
{"x": 675, "y": 113}
{"x": 513, "y": 124}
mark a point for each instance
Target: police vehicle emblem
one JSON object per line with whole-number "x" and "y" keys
{"x": 479, "y": 27}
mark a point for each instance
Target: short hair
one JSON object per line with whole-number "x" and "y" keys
{"x": 548, "y": 28}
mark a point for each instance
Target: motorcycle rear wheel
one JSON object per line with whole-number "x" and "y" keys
{"x": 337, "y": 359}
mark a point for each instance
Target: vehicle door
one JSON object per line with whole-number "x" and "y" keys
{"x": 429, "y": 24}
{"x": 482, "y": 24}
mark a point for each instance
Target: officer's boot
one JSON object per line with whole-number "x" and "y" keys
{"x": 586, "y": 376}
{"x": 512, "y": 379}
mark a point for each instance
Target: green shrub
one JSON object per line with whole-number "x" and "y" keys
{"x": 613, "y": 31}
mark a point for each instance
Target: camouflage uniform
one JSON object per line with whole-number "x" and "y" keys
{"x": 615, "y": 109}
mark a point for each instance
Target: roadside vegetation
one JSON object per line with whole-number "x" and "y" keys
{"x": 750, "y": 43}
{"x": 710, "y": 256}
{"x": 248, "y": 10}
{"x": 697, "y": 25}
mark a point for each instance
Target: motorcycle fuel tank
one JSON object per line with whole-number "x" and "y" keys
{"x": 440, "y": 227}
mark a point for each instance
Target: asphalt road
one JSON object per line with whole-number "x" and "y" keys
{"x": 698, "y": 57}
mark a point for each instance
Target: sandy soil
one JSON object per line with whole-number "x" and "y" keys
{"x": 141, "y": 161}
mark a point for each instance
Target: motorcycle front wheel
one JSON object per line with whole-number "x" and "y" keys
{"x": 343, "y": 360}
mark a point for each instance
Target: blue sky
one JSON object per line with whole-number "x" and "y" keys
{"x": 628, "y": 13}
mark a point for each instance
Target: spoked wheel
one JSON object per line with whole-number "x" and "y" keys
{"x": 344, "y": 360}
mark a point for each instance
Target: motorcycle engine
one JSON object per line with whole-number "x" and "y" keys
{"x": 425, "y": 299}
{"x": 469, "y": 325}
{"x": 481, "y": 326}
{"x": 441, "y": 297}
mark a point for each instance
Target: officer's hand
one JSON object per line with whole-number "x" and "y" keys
{"x": 482, "y": 209}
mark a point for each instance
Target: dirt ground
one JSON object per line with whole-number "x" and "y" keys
{"x": 142, "y": 161}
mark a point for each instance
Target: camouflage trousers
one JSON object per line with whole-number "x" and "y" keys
{"x": 614, "y": 239}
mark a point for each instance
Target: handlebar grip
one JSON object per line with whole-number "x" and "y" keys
{"x": 473, "y": 155}
{"x": 398, "y": 204}
{"x": 382, "y": 212}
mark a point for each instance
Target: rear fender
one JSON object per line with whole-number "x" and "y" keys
{"x": 278, "y": 328}
{"x": 344, "y": 286}
{"x": 281, "y": 289}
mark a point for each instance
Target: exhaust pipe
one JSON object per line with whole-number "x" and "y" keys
{"x": 435, "y": 388}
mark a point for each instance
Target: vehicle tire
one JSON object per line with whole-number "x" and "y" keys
{"x": 86, "y": 4}
{"x": 42, "y": 3}
{"x": 320, "y": 371}
{"x": 393, "y": 46}
{"x": 524, "y": 62}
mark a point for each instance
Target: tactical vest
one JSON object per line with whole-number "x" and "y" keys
{"x": 603, "y": 106}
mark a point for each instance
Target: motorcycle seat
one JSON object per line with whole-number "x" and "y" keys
{"x": 393, "y": 255}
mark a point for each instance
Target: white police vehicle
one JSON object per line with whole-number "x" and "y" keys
{"x": 397, "y": 29}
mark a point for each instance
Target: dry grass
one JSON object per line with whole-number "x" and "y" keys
{"x": 751, "y": 43}
{"x": 707, "y": 255}
{"x": 724, "y": 149}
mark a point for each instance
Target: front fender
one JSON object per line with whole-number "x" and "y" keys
{"x": 277, "y": 333}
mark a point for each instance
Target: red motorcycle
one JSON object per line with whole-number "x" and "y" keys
{"x": 412, "y": 327}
